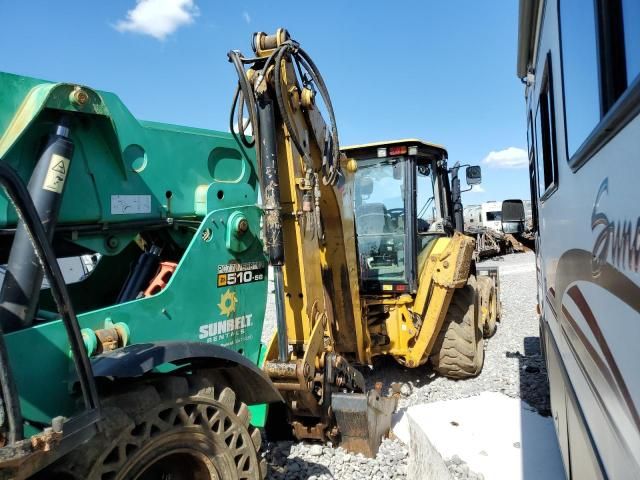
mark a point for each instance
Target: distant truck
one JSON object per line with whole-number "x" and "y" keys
{"x": 487, "y": 215}
{"x": 491, "y": 214}
{"x": 493, "y": 235}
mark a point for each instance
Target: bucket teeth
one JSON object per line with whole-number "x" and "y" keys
{"x": 363, "y": 420}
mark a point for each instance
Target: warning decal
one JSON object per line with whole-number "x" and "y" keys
{"x": 56, "y": 174}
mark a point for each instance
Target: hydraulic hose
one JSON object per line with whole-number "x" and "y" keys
{"x": 241, "y": 131}
{"x": 244, "y": 93}
{"x": 316, "y": 76}
{"x": 282, "y": 51}
{"x": 300, "y": 57}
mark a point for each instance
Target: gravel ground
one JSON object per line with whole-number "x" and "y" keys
{"x": 513, "y": 365}
{"x": 299, "y": 460}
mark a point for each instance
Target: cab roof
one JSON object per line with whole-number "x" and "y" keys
{"x": 423, "y": 147}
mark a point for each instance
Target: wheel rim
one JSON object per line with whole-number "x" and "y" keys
{"x": 489, "y": 308}
{"x": 492, "y": 307}
{"x": 180, "y": 449}
{"x": 181, "y": 465}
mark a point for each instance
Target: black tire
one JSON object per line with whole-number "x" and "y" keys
{"x": 459, "y": 349}
{"x": 488, "y": 306}
{"x": 183, "y": 428}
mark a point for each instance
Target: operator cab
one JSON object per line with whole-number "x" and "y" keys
{"x": 401, "y": 204}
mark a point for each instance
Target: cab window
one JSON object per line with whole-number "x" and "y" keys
{"x": 380, "y": 218}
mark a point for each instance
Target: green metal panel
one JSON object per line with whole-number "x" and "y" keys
{"x": 259, "y": 412}
{"x": 187, "y": 173}
{"x": 116, "y": 154}
{"x": 191, "y": 308}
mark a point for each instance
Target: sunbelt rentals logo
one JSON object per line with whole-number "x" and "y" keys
{"x": 229, "y": 328}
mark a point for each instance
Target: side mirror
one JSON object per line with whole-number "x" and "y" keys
{"x": 424, "y": 170}
{"x": 474, "y": 175}
{"x": 513, "y": 216}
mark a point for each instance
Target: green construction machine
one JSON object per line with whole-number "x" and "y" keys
{"x": 154, "y": 354}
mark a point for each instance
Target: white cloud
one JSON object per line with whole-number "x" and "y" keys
{"x": 511, "y": 157}
{"x": 246, "y": 16}
{"x": 477, "y": 189}
{"x": 158, "y": 18}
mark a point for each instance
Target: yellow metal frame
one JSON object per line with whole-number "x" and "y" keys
{"x": 447, "y": 268}
{"x": 320, "y": 275}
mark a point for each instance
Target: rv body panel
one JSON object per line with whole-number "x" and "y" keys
{"x": 588, "y": 266}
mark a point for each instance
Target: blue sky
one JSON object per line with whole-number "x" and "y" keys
{"x": 443, "y": 71}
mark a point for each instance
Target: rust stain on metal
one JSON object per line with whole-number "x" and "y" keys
{"x": 281, "y": 369}
{"x": 289, "y": 386}
{"x": 363, "y": 420}
{"x": 46, "y": 440}
{"x": 314, "y": 432}
{"x": 79, "y": 96}
{"x": 108, "y": 339}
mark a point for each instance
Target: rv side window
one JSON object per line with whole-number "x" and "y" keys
{"x": 546, "y": 155}
{"x": 631, "y": 27}
{"x": 539, "y": 162}
{"x": 548, "y": 124}
{"x": 529, "y": 135}
{"x": 580, "y": 71}
{"x": 532, "y": 170}
{"x": 534, "y": 199}
{"x": 531, "y": 138}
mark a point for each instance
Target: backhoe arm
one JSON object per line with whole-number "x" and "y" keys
{"x": 308, "y": 231}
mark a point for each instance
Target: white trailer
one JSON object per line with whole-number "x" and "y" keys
{"x": 580, "y": 63}
{"x": 487, "y": 215}
{"x": 472, "y": 216}
{"x": 491, "y": 214}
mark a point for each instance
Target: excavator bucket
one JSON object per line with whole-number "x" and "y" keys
{"x": 363, "y": 419}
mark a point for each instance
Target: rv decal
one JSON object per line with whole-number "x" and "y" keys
{"x": 619, "y": 239}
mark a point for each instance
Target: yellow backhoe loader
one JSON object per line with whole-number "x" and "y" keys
{"x": 366, "y": 251}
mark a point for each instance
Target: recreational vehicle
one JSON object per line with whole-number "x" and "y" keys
{"x": 492, "y": 215}
{"x": 579, "y": 61}
{"x": 487, "y": 215}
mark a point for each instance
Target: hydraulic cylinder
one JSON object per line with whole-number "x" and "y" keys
{"x": 23, "y": 278}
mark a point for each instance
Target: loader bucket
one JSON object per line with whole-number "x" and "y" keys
{"x": 363, "y": 419}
